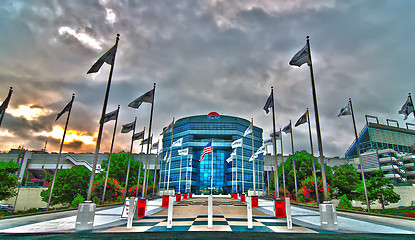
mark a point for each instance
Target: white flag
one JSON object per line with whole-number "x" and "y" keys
{"x": 177, "y": 143}
{"x": 237, "y": 143}
{"x": 183, "y": 152}
{"x": 287, "y": 129}
{"x": 248, "y": 130}
{"x": 146, "y": 97}
{"x": 233, "y": 153}
{"x": 165, "y": 156}
{"x": 407, "y": 108}
{"x": 345, "y": 110}
{"x": 229, "y": 159}
{"x": 301, "y": 57}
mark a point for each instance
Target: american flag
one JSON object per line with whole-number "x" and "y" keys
{"x": 206, "y": 150}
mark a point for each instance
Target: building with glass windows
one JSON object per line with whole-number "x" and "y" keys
{"x": 387, "y": 148}
{"x": 187, "y": 173}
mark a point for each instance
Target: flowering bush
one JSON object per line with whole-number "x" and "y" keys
{"x": 132, "y": 191}
{"x": 308, "y": 191}
{"x": 410, "y": 214}
{"x": 287, "y": 193}
{"x": 114, "y": 190}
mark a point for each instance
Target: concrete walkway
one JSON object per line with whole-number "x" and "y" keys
{"x": 234, "y": 219}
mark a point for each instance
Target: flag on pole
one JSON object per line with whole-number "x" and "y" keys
{"x": 229, "y": 159}
{"x": 183, "y": 152}
{"x": 233, "y": 153}
{"x": 139, "y": 135}
{"x": 268, "y": 141}
{"x": 177, "y": 143}
{"x": 301, "y": 120}
{"x": 207, "y": 149}
{"x": 67, "y": 107}
{"x": 277, "y": 136}
{"x": 268, "y": 104}
{"x": 127, "y": 127}
{"x": 345, "y": 110}
{"x": 110, "y": 116}
{"x": 248, "y": 130}
{"x": 287, "y": 129}
{"x": 108, "y": 57}
{"x": 146, "y": 97}
{"x": 167, "y": 129}
{"x": 165, "y": 156}
{"x": 155, "y": 146}
{"x": 237, "y": 143}
{"x": 6, "y": 102}
{"x": 407, "y": 108}
{"x": 301, "y": 57}
{"x": 146, "y": 141}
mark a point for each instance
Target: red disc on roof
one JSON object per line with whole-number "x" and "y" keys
{"x": 213, "y": 114}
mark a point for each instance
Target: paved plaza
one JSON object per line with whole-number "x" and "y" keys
{"x": 190, "y": 215}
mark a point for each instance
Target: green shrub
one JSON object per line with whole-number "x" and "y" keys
{"x": 77, "y": 200}
{"x": 345, "y": 203}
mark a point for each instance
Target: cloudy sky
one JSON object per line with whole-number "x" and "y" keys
{"x": 213, "y": 55}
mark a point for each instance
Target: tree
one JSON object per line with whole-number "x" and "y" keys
{"x": 304, "y": 169}
{"x": 345, "y": 180}
{"x": 68, "y": 184}
{"x": 379, "y": 189}
{"x": 118, "y": 170}
{"x": 113, "y": 193}
{"x": 8, "y": 179}
{"x": 307, "y": 190}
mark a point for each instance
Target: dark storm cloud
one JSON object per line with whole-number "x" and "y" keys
{"x": 206, "y": 56}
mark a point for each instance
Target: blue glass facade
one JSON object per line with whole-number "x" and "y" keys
{"x": 194, "y": 175}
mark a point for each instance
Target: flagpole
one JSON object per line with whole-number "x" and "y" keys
{"x": 312, "y": 156}
{"x": 187, "y": 171}
{"x": 139, "y": 169}
{"x": 358, "y": 152}
{"x": 156, "y": 161}
{"x": 180, "y": 167}
{"x": 211, "y": 176}
{"x": 277, "y": 186}
{"x": 320, "y": 144}
{"x": 283, "y": 168}
{"x": 109, "y": 159}
{"x": 8, "y": 99}
{"x": 191, "y": 171}
{"x": 60, "y": 152}
{"x": 101, "y": 123}
{"x": 253, "y": 155}
{"x": 242, "y": 161}
{"x": 138, "y": 177}
{"x": 149, "y": 143}
{"x": 236, "y": 170}
{"x": 295, "y": 171}
{"x": 144, "y": 192}
{"x": 129, "y": 160}
{"x": 171, "y": 143}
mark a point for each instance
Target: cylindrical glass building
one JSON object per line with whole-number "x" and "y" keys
{"x": 187, "y": 173}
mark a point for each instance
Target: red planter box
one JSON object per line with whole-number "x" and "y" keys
{"x": 184, "y": 195}
{"x": 190, "y": 195}
{"x": 178, "y": 197}
{"x": 141, "y": 207}
{"x": 254, "y": 201}
{"x": 280, "y": 208}
{"x": 165, "y": 202}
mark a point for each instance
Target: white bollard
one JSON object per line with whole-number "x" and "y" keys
{"x": 131, "y": 211}
{"x": 210, "y": 211}
{"x": 170, "y": 213}
{"x": 328, "y": 216}
{"x": 249, "y": 209}
{"x": 288, "y": 212}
